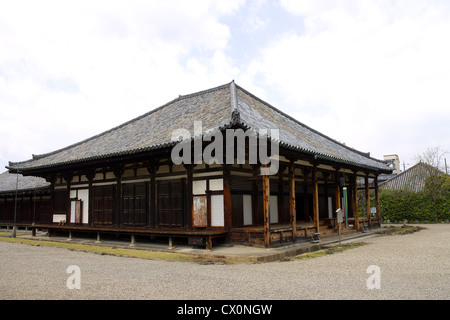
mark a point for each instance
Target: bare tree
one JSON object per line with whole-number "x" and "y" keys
{"x": 433, "y": 159}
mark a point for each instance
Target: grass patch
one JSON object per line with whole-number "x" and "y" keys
{"x": 106, "y": 250}
{"x": 404, "y": 229}
{"x": 332, "y": 250}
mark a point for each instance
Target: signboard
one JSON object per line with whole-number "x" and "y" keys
{"x": 199, "y": 218}
{"x": 340, "y": 215}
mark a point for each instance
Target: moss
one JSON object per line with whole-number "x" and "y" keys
{"x": 105, "y": 250}
{"x": 332, "y": 250}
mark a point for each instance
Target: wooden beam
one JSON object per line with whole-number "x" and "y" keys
{"x": 315, "y": 198}
{"x": 292, "y": 213}
{"x": 266, "y": 196}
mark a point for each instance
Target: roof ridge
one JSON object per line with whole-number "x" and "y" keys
{"x": 235, "y": 115}
{"x": 410, "y": 169}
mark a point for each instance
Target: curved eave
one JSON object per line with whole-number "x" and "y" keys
{"x": 111, "y": 157}
{"x": 15, "y": 167}
{"x": 335, "y": 160}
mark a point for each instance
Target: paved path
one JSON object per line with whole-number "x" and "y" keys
{"x": 412, "y": 266}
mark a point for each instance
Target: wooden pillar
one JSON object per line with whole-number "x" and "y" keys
{"x": 255, "y": 194}
{"x": 118, "y": 172}
{"x": 337, "y": 191}
{"x": 266, "y": 196}
{"x": 292, "y": 214}
{"x": 325, "y": 187}
{"x": 189, "y": 198}
{"x": 90, "y": 176}
{"x": 355, "y": 200}
{"x": 305, "y": 195}
{"x": 377, "y": 200}
{"x": 52, "y": 180}
{"x": 68, "y": 176}
{"x": 227, "y": 202}
{"x": 280, "y": 202}
{"x": 366, "y": 184}
{"x": 315, "y": 198}
{"x": 152, "y": 167}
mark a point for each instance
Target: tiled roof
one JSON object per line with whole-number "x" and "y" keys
{"x": 10, "y": 181}
{"x": 217, "y": 108}
{"x": 412, "y": 179}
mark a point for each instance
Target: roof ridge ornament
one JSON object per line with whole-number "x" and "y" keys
{"x": 235, "y": 116}
{"x": 233, "y": 96}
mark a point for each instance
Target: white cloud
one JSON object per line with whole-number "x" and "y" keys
{"x": 372, "y": 73}
{"x": 71, "y": 69}
{"x": 361, "y": 67}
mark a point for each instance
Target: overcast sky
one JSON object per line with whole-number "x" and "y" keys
{"x": 374, "y": 74}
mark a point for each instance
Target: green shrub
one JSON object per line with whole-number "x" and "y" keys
{"x": 431, "y": 204}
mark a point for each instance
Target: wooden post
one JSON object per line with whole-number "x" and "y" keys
{"x": 152, "y": 167}
{"x": 292, "y": 213}
{"x": 325, "y": 187}
{"x": 366, "y": 183}
{"x": 280, "y": 202}
{"x": 68, "y": 176}
{"x": 255, "y": 209}
{"x": 227, "y": 202}
{"x": 315, "y": 198}
{"x": 189, "y": 198}
{"x": 118, "y": 172}
{"x": 377, "y": 201}
{"x": 209, "y": 243}
{"x": 305, "y": 196}
{"x": 90, "y": 176}
{"x": 355, "y": 201}
{"x": 266, "y": 195}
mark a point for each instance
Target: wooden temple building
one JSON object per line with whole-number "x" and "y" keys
{"x": 124, "y": 181}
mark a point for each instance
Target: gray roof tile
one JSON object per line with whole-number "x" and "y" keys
{"x": 9, "y": 182}
{"x": 214, "y": 107}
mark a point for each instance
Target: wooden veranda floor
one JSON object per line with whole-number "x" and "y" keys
{"x": 206, "y": 234}
{"x": 282, "y": 233}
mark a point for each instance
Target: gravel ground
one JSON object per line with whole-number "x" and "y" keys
{"x": 412, "y": 266}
